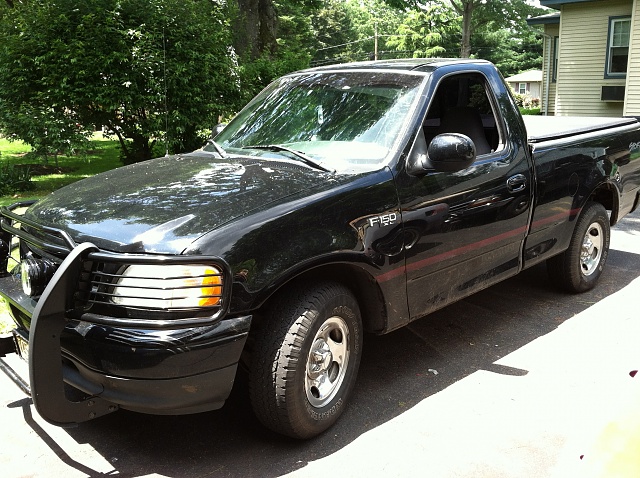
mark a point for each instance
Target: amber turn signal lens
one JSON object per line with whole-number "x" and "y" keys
{"x": 212, "y": 288}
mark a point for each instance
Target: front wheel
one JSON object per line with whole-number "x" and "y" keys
{"x": 579, "y": 267}
{"x": 305, "y": 359}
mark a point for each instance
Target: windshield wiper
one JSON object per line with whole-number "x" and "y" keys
{"x": 218, "y": 148}
{"x": 298, "y": 154}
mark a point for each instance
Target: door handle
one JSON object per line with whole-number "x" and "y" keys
{"x": 517, "y": 183}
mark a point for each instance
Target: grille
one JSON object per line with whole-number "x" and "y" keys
{"x": 107, "y": 287}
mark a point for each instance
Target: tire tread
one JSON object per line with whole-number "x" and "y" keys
{"x": 277, "y": 352}
{"x": 564, "y": 269}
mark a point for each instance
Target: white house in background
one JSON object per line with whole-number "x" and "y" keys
{"x": 591, "y": 58}
{"x": 527, "y": 83}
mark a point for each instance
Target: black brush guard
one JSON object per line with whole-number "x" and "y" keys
{"x": 59, "y": 302}
{"x": 47, "y": 323}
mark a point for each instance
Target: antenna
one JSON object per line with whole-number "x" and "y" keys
{"x": 166, "y": 108}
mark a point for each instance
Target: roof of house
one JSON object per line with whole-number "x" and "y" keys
{"x": 557, "y": 4}
{"x": 548, "y": 19}
{"x": 526, "y": 76}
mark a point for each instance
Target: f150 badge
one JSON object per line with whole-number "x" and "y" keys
{"x": 384, "y": 219}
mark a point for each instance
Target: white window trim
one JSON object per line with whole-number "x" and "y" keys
{"x": 612, "y": 21}
{"x": 556, "y": 51}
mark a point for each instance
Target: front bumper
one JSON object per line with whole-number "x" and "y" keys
{"x": 175, "y": 367}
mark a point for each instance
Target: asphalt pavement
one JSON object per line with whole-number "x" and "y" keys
{"x": 519, "y": 380}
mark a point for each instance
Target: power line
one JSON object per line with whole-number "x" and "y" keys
{"x": 364, "y": 39}
{"x": 345, "y": 44}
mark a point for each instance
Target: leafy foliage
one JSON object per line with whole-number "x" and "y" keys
{"x": 526, "y": 101}
{"x": 503, "y": 37}
{"x": 486, "y": 16}
{"x": 333, "y": 30}
{"x": 346, "y": 31}
{"x": 14, "y": 179}
{"x": 427, "y": 33}
{"x": 159, "y": 74}
{"x": 405, "y": 28}
{"x": 72, "y": 64}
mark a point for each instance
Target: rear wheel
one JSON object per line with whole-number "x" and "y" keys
{"x": 305, "y": 360}
{"x": 579, "y": 267}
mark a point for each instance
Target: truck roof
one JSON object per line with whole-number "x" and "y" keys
{"x": 409, "y": 64}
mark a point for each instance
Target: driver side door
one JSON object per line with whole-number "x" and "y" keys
{"x": 464, "y": 230}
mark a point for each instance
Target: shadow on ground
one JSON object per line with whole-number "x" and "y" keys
{"x": 398, "y": 370}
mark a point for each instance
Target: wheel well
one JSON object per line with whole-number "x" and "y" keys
{"x": 606, "y": 196}
{"x": 362, "y": 285}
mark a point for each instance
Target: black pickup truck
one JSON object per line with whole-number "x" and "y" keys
{"x": 341, "y": 200}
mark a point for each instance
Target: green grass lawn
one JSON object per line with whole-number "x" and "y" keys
{"x": 529, "y": 111}
{"x": 6, "y": 324}
{"x": 12, "y": 147}
{"x": 102, "y": 155}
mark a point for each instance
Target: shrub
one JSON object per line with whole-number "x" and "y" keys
{"x": 530, "y": 111}
{"x": 15, "y": 179}
{"x": 519, "y": 99}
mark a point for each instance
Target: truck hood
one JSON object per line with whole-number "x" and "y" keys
{"x": 163, "y": 205}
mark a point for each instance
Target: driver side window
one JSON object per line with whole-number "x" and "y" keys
{"x": 461, "y": 105}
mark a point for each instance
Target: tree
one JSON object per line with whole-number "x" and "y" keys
{"x": 504, "y": 37}
{"x": 481, "y": 14}
{"x": 432, "y": 32}
{"x": 466, "y": 8}
{"x": 346, "y": 30}
{"x": 376, "y": 17}
{"x": 333, "y": 31}
{"x": 256, "y": 25}
{"x": 255, "y": 28}
{"x": 144, "y": 69}
{"x": 511, "y": 52}
{"x": 26, "y": 108}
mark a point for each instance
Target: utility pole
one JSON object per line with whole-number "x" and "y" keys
{"x": 375, "y": 41}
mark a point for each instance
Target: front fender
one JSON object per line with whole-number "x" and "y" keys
{"x": 355, "y": 222}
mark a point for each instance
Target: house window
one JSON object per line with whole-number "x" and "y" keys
{"x": 556, "y": 44}
{"x": 618, "y": 46}
{"x": 522, "y": 88}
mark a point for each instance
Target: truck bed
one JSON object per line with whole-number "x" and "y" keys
{"x": 548, "y": 128}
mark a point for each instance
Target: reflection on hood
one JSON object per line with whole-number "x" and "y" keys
{"x": 164, "y": 204}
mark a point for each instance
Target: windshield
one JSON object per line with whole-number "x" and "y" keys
{"x": 340, "y": 120}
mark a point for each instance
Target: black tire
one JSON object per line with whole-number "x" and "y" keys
{"x": 309, "y": 335}
{"x": 579, "y": 267}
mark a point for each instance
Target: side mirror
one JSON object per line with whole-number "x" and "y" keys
{"x": 451, "y": 152}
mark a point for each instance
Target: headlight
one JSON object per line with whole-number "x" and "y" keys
{"x": 35, "y": 275}
{"x": 169, "y": 286}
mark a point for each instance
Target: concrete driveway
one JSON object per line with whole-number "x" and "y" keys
{"x": 516, "y": 381}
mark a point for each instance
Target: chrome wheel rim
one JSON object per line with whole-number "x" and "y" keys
{"x": 591, "y": 250}
{"x": 327, "y": 362}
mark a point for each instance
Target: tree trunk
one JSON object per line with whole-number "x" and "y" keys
{"x": 255, "y": 28}
{"x": 140, "y": 148}
{"x": 467, "y": 13}
{"x": 465, "y": 9}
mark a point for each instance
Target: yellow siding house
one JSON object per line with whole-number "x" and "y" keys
{"x": 591, "y": 58}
